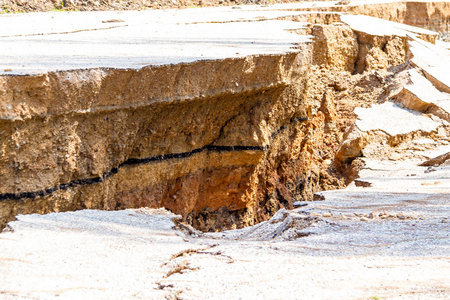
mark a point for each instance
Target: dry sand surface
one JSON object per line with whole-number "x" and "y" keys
{"x": 374, "y": 245}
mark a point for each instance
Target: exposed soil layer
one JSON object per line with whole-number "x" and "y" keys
{"x": 223, "y": 143}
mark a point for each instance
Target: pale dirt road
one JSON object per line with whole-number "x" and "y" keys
{"x": 387, "y": 241}
{"x": 136, "y": 254}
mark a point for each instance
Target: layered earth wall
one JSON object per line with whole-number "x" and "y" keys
{"x": 194, "y": 138}
{"x": 225, "y": 140}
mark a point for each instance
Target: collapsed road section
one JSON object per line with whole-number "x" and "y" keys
{"x": 223, "y": 116}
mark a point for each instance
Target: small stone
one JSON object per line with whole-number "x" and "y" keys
{"x": 364, "y": 219}
{"x": 362, "y": 183}
{"x": 326, "y": 215}
{"x": 430, "y": 169}
{"x": 299, "y": 204}
{"x": 318, "y": 197}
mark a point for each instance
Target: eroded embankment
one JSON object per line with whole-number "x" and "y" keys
{"x": 223, "y": 143}
{"x": 195, "y": 138}
{"x": 432, "y": 15}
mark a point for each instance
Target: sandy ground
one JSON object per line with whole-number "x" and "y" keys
{"x": 388, "y": 240}
{"x": 360, "y": 243}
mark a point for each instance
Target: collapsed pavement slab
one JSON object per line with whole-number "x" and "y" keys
{"x": 422, "y": 96}
{"x": 133, "y": 40}
{"x": 393, "y": 119}
{"x": 435, "y": 64}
